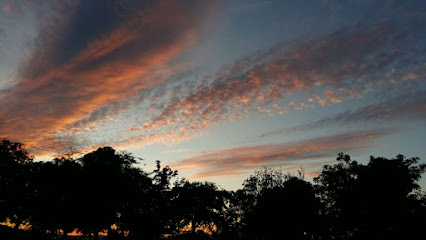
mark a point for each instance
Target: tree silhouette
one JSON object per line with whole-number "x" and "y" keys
{"x": 198, "y": 204}
{"x": 148, "y": 213}
{"x": 263, "y": 179}
{"x": 369, "y": 201}
{"x": 15, "y": 193}
{"x": 138, "y": 211}
{"x": 69, "y": 181}
{"x": 56, "y": 202}
{"x": 287, "y": 212}
{"x": 104, "y": 175}
{"x": 104, "y": 191}
{"x": 162, "y": 176}
{"x": 254, "y": 187}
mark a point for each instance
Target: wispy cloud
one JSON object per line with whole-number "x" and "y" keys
{"x": 99, "y": 61}
{"x": 237, "y": 161}
{"x": 346, "y": 64}
{"x": 177, "y": 150}
{"x": 100, "y": 54}
{"x": 406, "y": 106}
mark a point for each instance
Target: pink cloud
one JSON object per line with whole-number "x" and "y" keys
{"x": 236, "y": 161}
{"x": 56, "y": 99}
{"x": 52, "y": 97}
{"x": 345, "y": 64}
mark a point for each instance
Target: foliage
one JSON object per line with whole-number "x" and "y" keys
{"x": 372, "y": 201}
{"x": 15, "y": 190}
{"x": 197, "y": 204}
{"x": 282, "y": 204}
{"x": 104, "y": 191}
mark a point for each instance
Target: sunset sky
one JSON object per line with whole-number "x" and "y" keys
{"x": 216, "y": 89}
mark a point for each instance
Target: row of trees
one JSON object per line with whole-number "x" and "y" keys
{"x": 103, "y": 191}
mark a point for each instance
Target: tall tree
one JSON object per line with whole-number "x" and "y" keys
{"x": 138, "y": 212}
{"x": 255, "y": 185}
{"x": 198, "y": 204}
{"x": 57, "y": 204}
{"x": 104, "y": 175}
{"x": 286, "y": 212}
{"x": 370, "y": 201}
{"x": 15, "y": 189}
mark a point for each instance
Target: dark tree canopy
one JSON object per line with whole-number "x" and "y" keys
{"x": 198, "y": 204}
{"x": 290, "y": 210}
{"x": 372, "y": 201}
{"x": 15, "y": 188}
{"x": 105, "y": 191}
{"x": 13, "y": 153}
{"x": 106, "y": 173}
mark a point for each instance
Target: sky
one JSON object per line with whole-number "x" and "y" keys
{"x": 216, "y": 89}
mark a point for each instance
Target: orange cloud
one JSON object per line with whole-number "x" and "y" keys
{"x": 51, "y": 97}
{"x": 168, "y": 138}
{"x": 61, "y": 92}
{"x": 256, "y": 82}
{"x": 177, "y": 150}
{"x": 236, "y": 161}
{"x": 405, "y": 106}
{"x": 345, "y": 64}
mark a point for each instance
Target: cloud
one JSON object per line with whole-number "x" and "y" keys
{"x": 293, "y": 104}
{"x": 97, "y": 61}
{"x": 410, "y": 106}
{"x": 345, "y": 64}
{"x": 99, "y": 55}
{"x": 177, "y": 150}
{"x": 237, "y": 161}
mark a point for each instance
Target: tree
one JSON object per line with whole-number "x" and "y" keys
{"x": 15, "y": 192}
{"x": 57, "y": 204}
{"x": 369, "y": 201}
{"x": 105, "y": 175}
{"x": 137, "y": 214}
{"x": 335, "y": 188}
{"x": 199, "y": 205}
{"x": 255, "y": 185}
{"x": 162, "y": 176}
{"x": 263, "y": 179}
{"x": 68, "y": 181}
{"x": 148, "y": 213}
{"x": 286, "y": 212}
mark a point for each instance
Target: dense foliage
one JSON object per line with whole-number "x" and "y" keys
{"x": 103, "y": 191}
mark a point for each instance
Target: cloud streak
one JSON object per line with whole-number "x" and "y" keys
{"x": 101, "y": 54}
{"x": 346, "y": 64}
{"x": 410, "y": 106}
{"x": 238, "y": 161}
{"x": 124, "y": 59}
